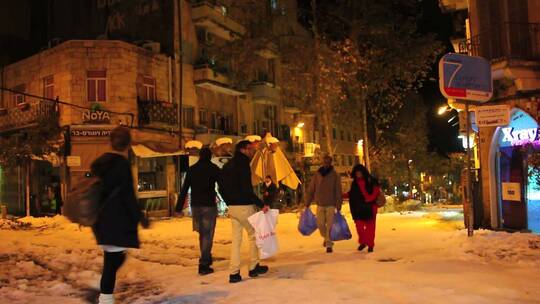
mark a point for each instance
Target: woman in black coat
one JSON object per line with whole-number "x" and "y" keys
{"x": 362, "y": 202}
{"x": 119, "y": 214}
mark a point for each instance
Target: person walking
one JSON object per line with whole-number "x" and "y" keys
{"x": 325, "y": 190}
{"x": 237, "y": 191}
{"x": 269, "y": 192}
{"x": 119, "y": 213}
{"x": 362, "y": 201}
{"x": 202, "y": 178}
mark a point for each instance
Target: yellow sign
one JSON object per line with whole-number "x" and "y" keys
{"x": 73, "y": 161}
{"x": 511, "y": 192}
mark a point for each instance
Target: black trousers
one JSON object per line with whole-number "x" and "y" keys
{"x": 204, "y": 222}
{"x": 112, "y": 261}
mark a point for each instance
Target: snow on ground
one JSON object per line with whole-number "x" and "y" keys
{"x": 419, "y": 258}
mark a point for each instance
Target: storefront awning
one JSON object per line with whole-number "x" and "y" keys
{"x": 143, "y": 151}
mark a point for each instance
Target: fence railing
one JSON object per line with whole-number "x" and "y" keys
{"x": 27, "y": 114}
{"x": 507, "y": 40}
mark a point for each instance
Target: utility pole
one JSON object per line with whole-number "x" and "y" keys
{"x": 178, "y": 65}
{"x": 470, "y": 222}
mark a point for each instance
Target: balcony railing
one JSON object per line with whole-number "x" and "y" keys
{"x": 506, "y": 41}
{"x": 158, "y": 114}
{"x": 265, "y": 91}
{"x": 209, "y": 77}
{"x": 27, "y": 115}
{"x": 213, "y": 16}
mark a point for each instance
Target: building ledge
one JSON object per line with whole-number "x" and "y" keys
{"x": 214, "y": 19}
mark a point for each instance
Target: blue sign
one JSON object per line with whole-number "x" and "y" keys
{"x": 465, "y": 77}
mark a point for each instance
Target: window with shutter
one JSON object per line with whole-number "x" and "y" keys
{"x": 96, "y": 86}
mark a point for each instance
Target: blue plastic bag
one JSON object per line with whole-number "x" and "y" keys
{"x": 308, "y": 222}
{"x": 340, "y": 230}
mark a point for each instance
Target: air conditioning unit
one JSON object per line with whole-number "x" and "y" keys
{"x": 152, "y": 46}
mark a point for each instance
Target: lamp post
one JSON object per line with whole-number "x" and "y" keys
{"x": 409, "y": 169}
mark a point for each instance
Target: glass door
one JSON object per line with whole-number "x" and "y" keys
{"x": 533, "y": 202}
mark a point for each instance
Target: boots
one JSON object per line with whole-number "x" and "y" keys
{"x": 204, "y": 270}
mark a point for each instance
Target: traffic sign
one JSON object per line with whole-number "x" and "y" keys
{"x": 465, "y": 77}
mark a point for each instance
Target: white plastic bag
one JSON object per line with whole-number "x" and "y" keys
{"x": 265, "y": 232}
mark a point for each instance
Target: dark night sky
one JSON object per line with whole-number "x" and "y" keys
{"x": 443, "y": 137}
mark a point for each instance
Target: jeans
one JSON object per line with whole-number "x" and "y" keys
{"x": 204, "y": 222}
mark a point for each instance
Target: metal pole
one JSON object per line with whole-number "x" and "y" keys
{"x": 470, "y": 223}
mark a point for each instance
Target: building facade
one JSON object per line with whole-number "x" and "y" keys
{"x": 105, "y": 83}
{"x": 109, "y": 63}
{"x": 507, "y": 33}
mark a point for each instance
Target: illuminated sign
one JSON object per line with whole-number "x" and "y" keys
{"x": 90, "y": 133}
{"x": 96, "y": 117}
{"x": 519, "y": 137}
{"x": 522, "y": 130}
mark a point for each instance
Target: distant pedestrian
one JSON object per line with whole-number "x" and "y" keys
{"x": 237, "y": 191}
{"x": 325, "y": 190}
{"x": 362, "y": 200}
{"x": 119, "y": 215}
{"x": 202, "y": 178}
{"x": 269, "y": 192}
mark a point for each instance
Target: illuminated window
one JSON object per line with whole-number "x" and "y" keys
{"x": 96, "y": 86}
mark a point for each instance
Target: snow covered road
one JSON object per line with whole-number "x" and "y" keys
{"x": 418, "y": 258}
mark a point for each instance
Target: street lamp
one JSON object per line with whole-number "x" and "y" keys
{"x": 443, "y": 109}
{"x": 409, "y": 165}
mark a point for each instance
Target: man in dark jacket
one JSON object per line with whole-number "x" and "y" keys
{"x": 237, "y": 191}
{"x": 202, "y": 178}
{"x": 119, "y": 214}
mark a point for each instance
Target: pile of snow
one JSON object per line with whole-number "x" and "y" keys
{"x": 8, "y": 224}
{"x": 496, "y": 247}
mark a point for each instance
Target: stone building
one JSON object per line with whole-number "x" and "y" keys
{"x": 507, "y": 33}
{"x": 106, "y": 83}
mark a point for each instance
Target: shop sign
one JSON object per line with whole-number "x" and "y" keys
{"x": 518, "y": 137}
{"x": 73, "y": 161}
{"x": 90, "y": 133}
{"x": 492, "y": 116}
{"x": 96, "y": 117}
{"x": 511, "y": 192}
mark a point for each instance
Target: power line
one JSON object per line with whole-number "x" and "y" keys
{"x": 132, "y": 117}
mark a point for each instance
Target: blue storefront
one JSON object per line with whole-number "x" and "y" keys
{"x": 516, "y": 185}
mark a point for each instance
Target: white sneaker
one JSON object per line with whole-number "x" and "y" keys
{"x": 106, "y": 298}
